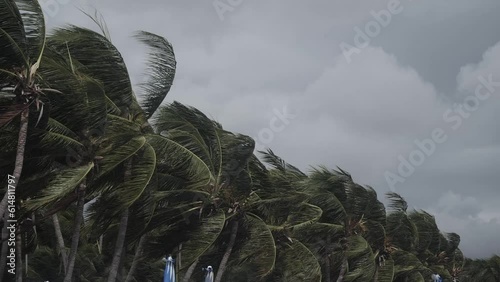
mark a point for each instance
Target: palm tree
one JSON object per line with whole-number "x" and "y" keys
{"x": 362, "y": 218}
{"x": 84, "y": 136}
{"x": 129, "y": 191}
{"x": 225, "y": 156}
{"x": 22, "y": 41}
{"x": 417, "y": 246}
{"x": 63, "y": 182}
{"x": 92, "y": 49}
{"x": 481, "y": 270}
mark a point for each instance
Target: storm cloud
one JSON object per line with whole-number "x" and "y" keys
{"x": 241, "y": 62}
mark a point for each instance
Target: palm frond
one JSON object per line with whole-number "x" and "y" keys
{"x": 59, "y": 141}
{"x": 385, "y": 272}
{"x": 101, "y": 59}
{"x": 326, "y": 180}
{"x": 278, "y": 163}
{"x": 99, "y": 20}
{"x": 126, "y": 193}
{"x": 13, "y": 41}
{"x": 405, "y": 263}
{"x": 119, "y": 127}
{"x": 201, "y": 238}
{"x": 361, "y": 260}
{"x": 95, "y": 107}
{"x": 401, "y": 231}
{"x": 161, "y": 71}
{"x": 295, "y": 262}
{"x": 62, "y": 184}
{"x": 119, "y": 154}
{"x": 322, "y": 239}
{"x": 255, "y": 254}
{"x": 180, "y": 160}
{"x": 34, "y": 26}
{"x": 10, "y": 112}
{"x": 194, "y": 130}
{"x": 397, "y": 203}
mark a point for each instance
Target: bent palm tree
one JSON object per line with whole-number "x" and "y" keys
{"x": 92, "y": 50}
{"x": 22, "y": 41}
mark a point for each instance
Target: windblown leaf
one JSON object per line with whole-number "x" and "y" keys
{"x": 120, "y": 154}
{"x": 322, "y": 239}
{"x": 323, "y": 180}
{"x": 126, "y": 193}
{"x": 161, "y": 71}
{"x": 119, "y": 127}
{"x": 361, "y": 260}
{"x": 192, "y": 129}
{"x": 397, "y": 203}
{"x": 34, "y": 27}
{"x": 8, "y": 113}
{"x": 385, "y": 273}
{"x": 13, "y": 41}
{"x": 180, "y": 159}
{"x": 255, "y": 254}
{"x": 278, "y": 163}
{"x": 295, "y": 263}
{"x": 101, "y": 59}
{"x": 202, "y": 238}
{"x": 63, "y": 184}
{"x": 405, "y": 263}
{"x": 59, "y": 141}
{"x": 286, "y": 212}
{"x": 333, "y": 210}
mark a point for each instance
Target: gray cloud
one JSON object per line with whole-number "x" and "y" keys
{"x": 362, "y": 115}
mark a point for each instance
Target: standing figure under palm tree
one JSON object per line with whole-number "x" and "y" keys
{"x": 209, "y": 275}
{"x": 169, "y": 274}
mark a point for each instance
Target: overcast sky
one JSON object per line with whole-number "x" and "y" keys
{"x": 299, "y": 77}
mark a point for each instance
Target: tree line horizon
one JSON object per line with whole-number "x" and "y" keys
{"x": 106, "y": 186}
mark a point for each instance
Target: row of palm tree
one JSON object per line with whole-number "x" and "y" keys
{"x": 107, "y": 186}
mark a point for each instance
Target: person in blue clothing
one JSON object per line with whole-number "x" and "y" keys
{"x": 209, "y": 274}
{"x": 169, "y": 273}
{"x": 437, "y": 278}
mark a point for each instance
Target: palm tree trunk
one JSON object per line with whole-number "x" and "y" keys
{"x": 76, "y": 232}
{"x": 5, "y": 248}
{"x": 328, "y": 270}
{"x": 117, "y": 256}
{"x": 179, "y": 262}
{"x": 19, "y": 262}
{"x": 60, "y": 241}
{"x": 137, "y": 258}
{"x": 190, "y": 271}
{"x": 225, "y": 258}
{"x": 100, "y": 243}
{"x": 121, "y": 269}
{"x": 18, "y": 167}
{"x": 343, "y": 270}
{"x": 115, "y": 264}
